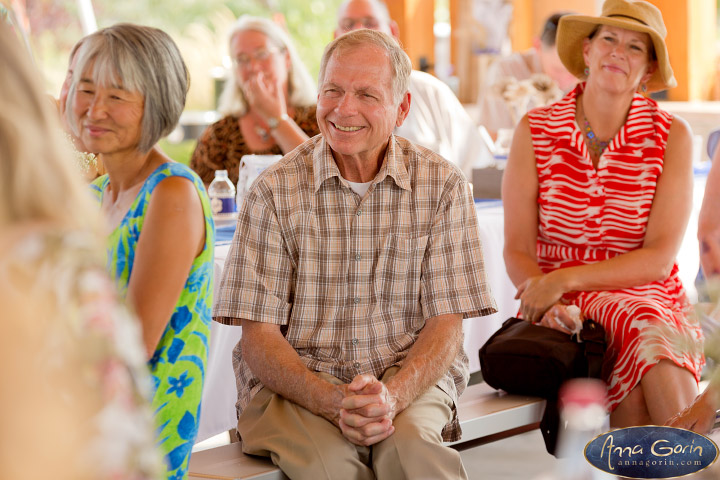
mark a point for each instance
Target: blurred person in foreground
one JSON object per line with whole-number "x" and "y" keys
{"x": 128, "y": 90}
{"x": 524, "y": 80}
{"x": 437, "y": 120}
{"x": 355, "y": 260}
{"x": 268, "y": 102}
{"x": 606, "y": 194}
{"x": 73, "y": 405}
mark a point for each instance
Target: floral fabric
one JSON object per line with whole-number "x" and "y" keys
{"x": 178, "y": 364}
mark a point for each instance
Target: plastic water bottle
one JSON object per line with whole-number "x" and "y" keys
{"x": 222, "y": 200}
{"x": 582, "y": 403}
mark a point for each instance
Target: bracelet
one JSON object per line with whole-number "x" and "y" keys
{"x": 274, "y": 122}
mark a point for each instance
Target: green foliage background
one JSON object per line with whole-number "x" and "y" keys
{"x": 198, "y": 26}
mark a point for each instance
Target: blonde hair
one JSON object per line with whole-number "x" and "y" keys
{"x": 38, "y": 179}
{"x": 301, "y": 88}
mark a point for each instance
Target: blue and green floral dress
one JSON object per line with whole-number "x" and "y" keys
{"x": 178, "y": 365}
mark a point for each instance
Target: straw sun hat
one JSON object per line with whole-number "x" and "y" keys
{"x": 635, "y": 15}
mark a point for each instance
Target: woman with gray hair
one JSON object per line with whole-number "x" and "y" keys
{"x": 128, "y": 90}
{"x": 268, "y": 103}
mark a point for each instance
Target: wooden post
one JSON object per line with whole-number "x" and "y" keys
{"x": 691, "y": 46}
{"x": 522, "y": 25}
{"x": 416, "y": 19}
{"x": 529, "y": 17}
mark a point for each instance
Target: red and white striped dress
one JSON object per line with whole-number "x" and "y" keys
{"x": 588, "y": 215}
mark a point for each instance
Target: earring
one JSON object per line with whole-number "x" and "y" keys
{"x": 643, "y": 87}
{"x": 587, "y": 71}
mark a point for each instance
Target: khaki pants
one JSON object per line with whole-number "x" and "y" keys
{"x": 306, "y": 446}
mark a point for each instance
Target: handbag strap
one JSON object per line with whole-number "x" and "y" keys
{"x": 593, "y": 336}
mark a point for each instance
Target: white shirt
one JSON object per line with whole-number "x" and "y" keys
{"x": 438, "y": 121}
{"x": 359, "y": 188}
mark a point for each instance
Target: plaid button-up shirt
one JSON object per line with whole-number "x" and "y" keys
{"x": 352, "y": 280}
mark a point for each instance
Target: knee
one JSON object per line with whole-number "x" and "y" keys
{"x": 410, "y": 433}
{"x": 635, "y": 400}
{"x": 416, "y": 452}
{"x": 631, "y": 411}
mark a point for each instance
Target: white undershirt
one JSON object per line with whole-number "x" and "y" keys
{"x": 360, "y": 188}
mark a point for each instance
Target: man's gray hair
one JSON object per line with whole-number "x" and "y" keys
{"x": 140, "y": 59}
{"x": 400, "y": 64}
{"x": 302, "y": 91}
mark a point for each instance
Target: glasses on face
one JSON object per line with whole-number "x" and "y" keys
{"x": 348, "y": 24}
{"x": 259, "y": 55}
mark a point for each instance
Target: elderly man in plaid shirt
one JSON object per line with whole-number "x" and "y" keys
{"x": 356, "y": 258}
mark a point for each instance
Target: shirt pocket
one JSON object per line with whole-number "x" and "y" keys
{"x": 398, "y": 270}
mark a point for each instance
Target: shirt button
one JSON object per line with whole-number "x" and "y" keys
{"x": 358, "y": 257}
{"x": 354, "y": 341}
{"x": 356, "y": 300}
{"x": 359, "y": 212}
{"x": 356, "y": 365}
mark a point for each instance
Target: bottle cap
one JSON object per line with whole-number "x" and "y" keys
{"x": 583, "y": 392}
{"x": 221, "y": 173}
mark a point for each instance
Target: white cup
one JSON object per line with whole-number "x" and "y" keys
{"x": 251, "y": 166}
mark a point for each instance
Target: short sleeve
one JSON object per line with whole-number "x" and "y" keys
{"x": 453, "y": 278}
{"x": 258, "y": 274}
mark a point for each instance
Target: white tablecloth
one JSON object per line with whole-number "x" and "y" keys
{"x": 220, "y": 394}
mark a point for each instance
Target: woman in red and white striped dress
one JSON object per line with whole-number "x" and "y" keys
{"x": 597, "y": 195}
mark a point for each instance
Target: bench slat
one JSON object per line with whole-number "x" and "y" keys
{"x": 484, "y": 411}
{"x": 228, "y": 462}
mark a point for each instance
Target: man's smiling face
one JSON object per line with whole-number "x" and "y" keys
{"x": 356, "y": 111}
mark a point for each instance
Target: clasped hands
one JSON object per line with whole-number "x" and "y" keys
{"x": 540, "y": 303}
{"x": 367, "y": 411}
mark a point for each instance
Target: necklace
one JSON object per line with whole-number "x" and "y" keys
{"x": 262, "y": 133}
{"x": 596, "y": 146}
{"x": 85, "y": 161}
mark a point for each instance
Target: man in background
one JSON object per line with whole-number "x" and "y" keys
{"x": 500, "y": 105}
{"x": 437, "y": 119}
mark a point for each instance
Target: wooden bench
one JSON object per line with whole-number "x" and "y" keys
{"x": 486, "y": 415}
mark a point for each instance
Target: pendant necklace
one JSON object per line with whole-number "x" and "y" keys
{"x": 596, "y": 145}
{"x": 262, "y": 133}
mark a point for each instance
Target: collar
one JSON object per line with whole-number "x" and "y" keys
{"x": 393, "y": 165}
{"x": 638, "y": 112}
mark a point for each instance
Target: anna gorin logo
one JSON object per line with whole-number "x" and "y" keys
{"x": 651, "y": 452}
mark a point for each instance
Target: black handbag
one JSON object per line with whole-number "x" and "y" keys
{"x": 527, "y": 359}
